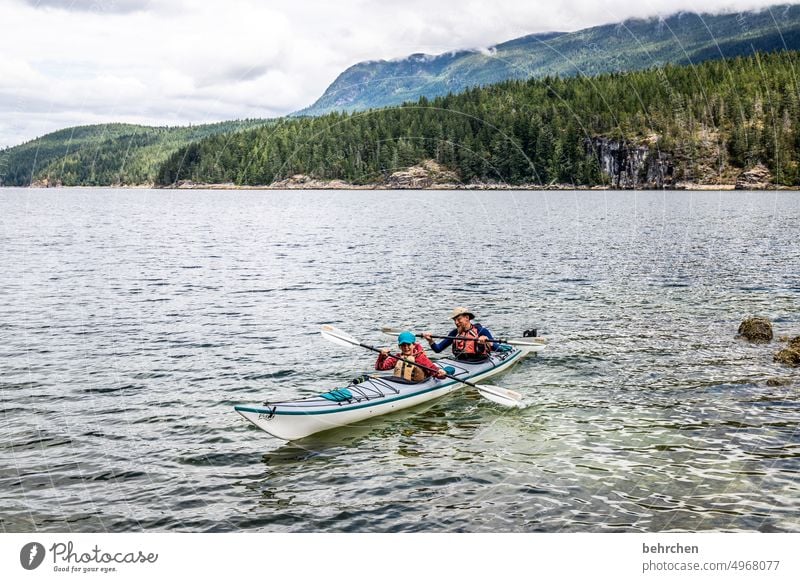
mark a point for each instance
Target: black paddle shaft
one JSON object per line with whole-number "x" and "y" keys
{"x": 469, "y": 339}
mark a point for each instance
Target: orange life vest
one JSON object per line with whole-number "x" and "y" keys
{"x": 469, "y": 347}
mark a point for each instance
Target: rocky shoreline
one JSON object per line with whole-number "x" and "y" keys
{"x": 429, "y": 175}
{"x": 312, "y": 184}
{"x": 338, "y": 185}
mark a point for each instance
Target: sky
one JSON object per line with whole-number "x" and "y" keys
{"x": 175, "y": 62}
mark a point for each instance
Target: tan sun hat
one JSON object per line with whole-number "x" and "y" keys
{"x": 461, "y": 311}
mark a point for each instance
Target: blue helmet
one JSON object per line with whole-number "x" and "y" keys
{"x": 406, "y": 338}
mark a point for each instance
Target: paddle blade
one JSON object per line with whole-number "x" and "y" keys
{"x": 501, "y": 396}
{"x": 391, "y": 331}
{"x": 337, "y": 336}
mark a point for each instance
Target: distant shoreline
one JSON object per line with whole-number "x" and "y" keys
{"x": 438, "y": 187}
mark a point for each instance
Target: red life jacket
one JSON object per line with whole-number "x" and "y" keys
{"x": 468, "y": 347}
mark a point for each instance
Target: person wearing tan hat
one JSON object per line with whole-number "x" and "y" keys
{"x": 470, "y": 340}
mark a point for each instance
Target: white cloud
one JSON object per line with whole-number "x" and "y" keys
{"x": 174, "y": 62}
{"x": 108, "y": 6}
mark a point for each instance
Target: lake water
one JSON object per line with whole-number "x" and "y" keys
{"x": 132, "y": 321}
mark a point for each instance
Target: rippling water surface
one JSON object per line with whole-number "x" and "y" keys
{"x": 132, "y": 321}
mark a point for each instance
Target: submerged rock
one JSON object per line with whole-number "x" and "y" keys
{"x": 756, "y": 329}
{"x": 790, "y": 355}
{"x": 778, "y": 381}
{"x": 787, "y": 356}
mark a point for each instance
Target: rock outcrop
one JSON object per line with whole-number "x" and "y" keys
{"x": 46, "y": 183}
{"x": 756, "y": 329}
{"x": 756, "y": 178}
{"x": 427, "y": 174}
{"x": 304, "y": 182}
{"x": 790, "y": 355}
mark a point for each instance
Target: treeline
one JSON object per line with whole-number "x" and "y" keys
{"x": 720, "y": 114}
{"x": 103, "y": 155}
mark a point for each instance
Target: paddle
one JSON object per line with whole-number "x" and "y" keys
{"x": 496, "y": 394}
{"x": 524, "y": 342}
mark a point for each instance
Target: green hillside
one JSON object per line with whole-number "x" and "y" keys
{"x": 701, "y": 123}
{"x": 98, "y": 155}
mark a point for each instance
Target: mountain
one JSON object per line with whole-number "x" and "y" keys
{"x": 684, "y": 38}
{"x": 102, "y": 155}
{"x": 723, "y": 121}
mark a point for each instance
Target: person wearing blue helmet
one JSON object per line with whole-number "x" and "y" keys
{"x": 412, "y": 365}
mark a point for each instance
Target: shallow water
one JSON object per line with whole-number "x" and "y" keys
{"x": 133, "y": 320}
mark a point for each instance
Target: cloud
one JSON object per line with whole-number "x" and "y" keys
{"x": 97, "y": 6}
{"x": 176, "y": 61}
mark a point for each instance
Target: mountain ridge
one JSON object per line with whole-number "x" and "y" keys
{"x": 682, "y": 38}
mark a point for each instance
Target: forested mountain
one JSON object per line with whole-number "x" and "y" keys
{"x": 631, "y": 45}
{"x": 702, "y": 123}
{"x": 109, "y": 154}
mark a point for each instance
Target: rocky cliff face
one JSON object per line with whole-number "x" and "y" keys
{"x": 632, "y": 166}
{"x": 644, "y": 166}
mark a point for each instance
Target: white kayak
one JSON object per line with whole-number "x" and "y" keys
{"x": 377, "y": 395}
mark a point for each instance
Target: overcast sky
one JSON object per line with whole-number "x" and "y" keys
{"x": 174, "y": 62}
